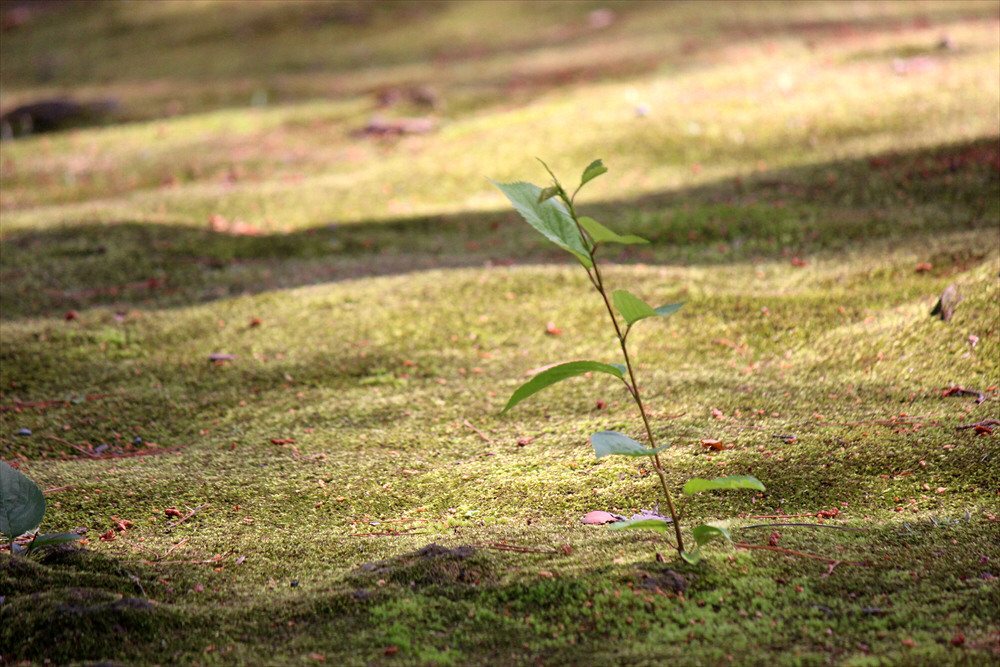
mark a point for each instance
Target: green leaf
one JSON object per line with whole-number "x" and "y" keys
{"x": 692, "y": 557}
{"x": 705, "y": 533}
{"x": 51, "y": 539}
{"x": 734, "y": 482}
{"x": 631, "y": 307}
{"x": 601, "y": 234}
{"x": 557, "y": 374}
{"x": 642, "y": 524}
{"x": 611, "y": 442}
{"x": 593, "y": 170}
{"x": 22, "y": 504}
{"x": 548, "y": 193}
{"x": 634, "y": 309}
{"x": 669, "y": 309}
{"x": 550, "y": 217}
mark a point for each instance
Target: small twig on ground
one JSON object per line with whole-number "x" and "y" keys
{"x": 500, "y": 546}
{"x": 885, "y": 422}
{"x": 830, "y": 569}
{"x": 186, "y": 517}
{"x": 807, "y": 525}
{"x": 16, "y": 405}
{"x": 57, "y": 489}
{"x": 777, "y": 516}
{"x": 984, "y": 422}
{"x": 962, "y": 391}
{"x": 76, "y": 447}
{"x": 389, "y": 533}
{"x": 480, "y": 433}
{"x": 792, "y": 552}
{"x": 218, "y": 558}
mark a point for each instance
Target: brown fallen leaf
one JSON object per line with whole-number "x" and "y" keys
{"x": 923, "y": 267}
{"x": 712, "y": 444}
{"x": 552, "y": 329}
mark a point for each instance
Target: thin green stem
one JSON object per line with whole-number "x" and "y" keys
{"x": 598, "y": 282}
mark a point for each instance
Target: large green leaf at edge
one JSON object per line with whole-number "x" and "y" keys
{"x": 734, "y": 482}
{"x": 549, "y": 217}
{"x": 611, "y": 442}
{"x": 22, "y": 503}
{"x": 558, "y": 373}
{"x": 602, "y": 234}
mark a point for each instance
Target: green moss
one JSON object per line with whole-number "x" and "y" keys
{"x": 381, "y": 303}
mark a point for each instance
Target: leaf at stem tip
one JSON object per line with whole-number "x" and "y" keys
{"x": 733, "y": 482}
{"x": 593, "y": 170}
{"x": 559, "y": 373}
{"x": 611, "y": 442}
{"x": 548, "y": 193}
{"x": 601, "y": 234}
{"x": 549, "y": 216}
{"x": 22, "y": 503}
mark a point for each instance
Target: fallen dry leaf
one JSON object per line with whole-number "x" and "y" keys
{"x": 712, "y": 444}
{"x": 552, "y": 329}
{"x": 598, "y": 518}
{"x": 923, "y": 267}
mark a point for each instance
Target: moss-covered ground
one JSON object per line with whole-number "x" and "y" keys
{"x": 338, "y": 488}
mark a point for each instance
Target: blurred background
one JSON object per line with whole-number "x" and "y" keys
{"x": 262, "y": 118}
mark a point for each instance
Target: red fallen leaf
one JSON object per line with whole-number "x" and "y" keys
{"x": 255, "y": 322}
{"x": 552, "y": 329}
{"x": 712, "y": 444}
{"x": 601, "y": 404}
{"x": 123, "y": 525}
{"x": 983, "y": 430}
{"x": 391, "y": 650}
{"x": 951, "y": 391}
{"x": 108, "y": 535}
{"x": 796, "y": 261}
{"x": 717, "y": 413}
{"x": 71, "y": 315}
{"x": 525, "y": 440}
{"x": 909, "y": 642}
{"x": 828, "y": 514}
{"x": 923, "y": 267}
{"x": 958, "y": 639}
{"x": 773, "y": 539}
{"x": 172, "y": 511}
{"x": 280, "y": 441}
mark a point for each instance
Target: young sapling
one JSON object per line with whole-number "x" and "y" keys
{"x": 552, "y": 212}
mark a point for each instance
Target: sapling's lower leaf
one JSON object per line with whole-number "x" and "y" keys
{"x": 734, "y": 482}
{"x": 643, "y": 524}
{"x": 555, "y": 374}
{"x": 51, "y": 539}
{"x": 601, "y": 234}
{"x": 611, "y": 442}
{"x": 704, "y": 533}
{"x": 691, "y": 557}
{"x": 550, "y": 217}
{"x": 22, "y": 503}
